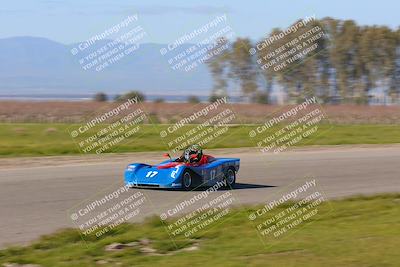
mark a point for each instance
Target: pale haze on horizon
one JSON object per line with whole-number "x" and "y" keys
{"x": 74, "y": 21}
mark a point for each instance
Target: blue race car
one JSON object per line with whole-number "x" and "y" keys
{"x": 184, "y": 172}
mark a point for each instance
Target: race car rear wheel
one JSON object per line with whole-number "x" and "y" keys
{"x": 187, "y": 180}
{"x": 230, "y": 178}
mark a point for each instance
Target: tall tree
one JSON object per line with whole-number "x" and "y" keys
{"x": 242, "y": 68}
{"x": 218, "y": 62}
{"x": 347, "y": 61}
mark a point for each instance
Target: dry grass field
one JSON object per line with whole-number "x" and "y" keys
{"x": 75, "y": 112}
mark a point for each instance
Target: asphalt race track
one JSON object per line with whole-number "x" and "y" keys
{"x": 35, "y": 196}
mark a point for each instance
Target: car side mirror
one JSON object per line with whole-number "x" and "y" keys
{"x": 167, "y": 155}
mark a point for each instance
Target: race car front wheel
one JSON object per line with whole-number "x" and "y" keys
{"x": 187, "y": 180}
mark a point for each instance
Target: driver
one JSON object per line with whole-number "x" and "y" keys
{"x": 191, "y": 154}
{"x": 194, "y": 155}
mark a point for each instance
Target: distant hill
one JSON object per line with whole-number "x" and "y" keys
{"x": 41, "y": 66}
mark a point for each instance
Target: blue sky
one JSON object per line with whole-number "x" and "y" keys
{"x": 70, "y": 21}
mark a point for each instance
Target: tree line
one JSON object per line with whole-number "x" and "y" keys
{"x": 349, "y": 63}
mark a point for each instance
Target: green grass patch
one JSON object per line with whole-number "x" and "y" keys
{"x": 360, "y": 231}
{"x": 42, "y": 139}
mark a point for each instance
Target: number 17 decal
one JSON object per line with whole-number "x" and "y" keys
{"x": 213, "y": 174}
{"x": 151, "y": 174}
